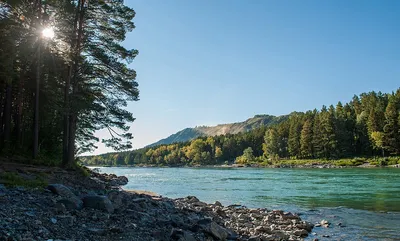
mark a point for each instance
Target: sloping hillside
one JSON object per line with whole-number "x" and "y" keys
{"x": 232, "y": 128}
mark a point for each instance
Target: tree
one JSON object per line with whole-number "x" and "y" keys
{"x": 247, "y": 156}
{"x": 294, "y": 136}
{"x": 378, "y": 140}
{"x": 271, "y": 143}
{"x": 306, "y": 145}
{"x": 391, "y": 140}
{"x": 218, "y": 153}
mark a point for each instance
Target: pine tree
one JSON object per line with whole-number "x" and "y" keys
{"x": 294, "y": 136}
{"x": 391, "y": 129}
{"x": 317, "y": 137}
{"x": 306, "y": 145}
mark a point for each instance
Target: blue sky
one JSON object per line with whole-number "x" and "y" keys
{"x": 221, "y": 61}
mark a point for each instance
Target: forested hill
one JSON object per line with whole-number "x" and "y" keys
{"x": 367, "y": 126}
{"x": 188, "y": 134}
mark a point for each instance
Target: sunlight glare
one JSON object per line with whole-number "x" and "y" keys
{"x": 48, "y": 33}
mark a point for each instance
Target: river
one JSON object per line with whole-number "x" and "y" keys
{"x": 365, "y": 202}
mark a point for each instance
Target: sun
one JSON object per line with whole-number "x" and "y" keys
{"x": 48, "y": 32}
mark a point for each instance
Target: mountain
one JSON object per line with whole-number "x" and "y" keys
{"x": 188, "y": 134}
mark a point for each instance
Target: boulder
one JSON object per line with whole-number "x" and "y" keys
{"x": 217, "y": 231}
{"x": 117, "y": 198}
{"x": 61, "y": 190}
{"x": 118, "y": 181}
{"x": 301, "y": 233}
{"x": 70, "y": 203}
{"x": 98, "y": 202}
{"x": 305, "y": 225}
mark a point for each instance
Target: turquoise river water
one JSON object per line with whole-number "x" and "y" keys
{"x": 365, "y": 201}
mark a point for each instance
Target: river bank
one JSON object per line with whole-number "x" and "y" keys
{"x": 94, "y": 207}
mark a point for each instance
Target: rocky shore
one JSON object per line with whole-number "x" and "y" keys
{"x": 73, "y": 207}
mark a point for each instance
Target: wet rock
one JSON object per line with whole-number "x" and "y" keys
{"x": 98, "y": 202}
{"x": 325, "y": 223}
{"x": 305, "y": 225}
{"x": 217, "y": 203}
{"x": 118, "y": 181}
{"x": 301, "y": 233}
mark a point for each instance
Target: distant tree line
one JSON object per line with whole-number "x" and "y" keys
{"x": 366, "y": 126}
{"x": 55, "y": 92}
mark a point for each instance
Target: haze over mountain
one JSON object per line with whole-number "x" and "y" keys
{"x": 188, "y": 134}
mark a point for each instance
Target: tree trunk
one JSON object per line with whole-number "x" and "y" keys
{"x": 7, "y": 114}
{"x": 36, "y": 114}
{"x": 18, "y": 113}
{"x": 67, "y": 108}
{"x": 2, "y": 116}
{"x": 71, "y": 141}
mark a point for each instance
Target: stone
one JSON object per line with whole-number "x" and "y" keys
{"x": 254, "y": 238}
{"x": 97, "y": 231}
{"x": 221, "y": 213}
{"x": 325, "y": 223}
{"x": 176, "y": 233}
{"x": 217, "y": 231}
{"x": 187, "y": 237}
{"x": 117, "y": 198}
{"x": 61, "y": 190}
{"x": 53, "y": 220}
{"x": 60, "y": 207}
{"x": 325, "y": 236}
{"x": 98, "y": 202}
{"x": 66, "y": 220}
{"x": 301, "y": 233}
{"x": 30, "y": 214}
{"x": 305, "y": 225}
{"x": 118, "y": 181}
{"x": 262, "y": 229}
{"x": 116, "y": 229}
{"x": 71, "y": 203}
{"x": 192, "y": 199}
{"x": 217, "y": 203}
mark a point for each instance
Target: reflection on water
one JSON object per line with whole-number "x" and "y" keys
{"x": 358, "y": 198}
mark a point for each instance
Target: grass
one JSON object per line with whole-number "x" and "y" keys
{"x": 12, "y": 179}
{"x": 377, "y": 161}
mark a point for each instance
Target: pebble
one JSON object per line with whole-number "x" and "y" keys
{"x": 139, "y": 216}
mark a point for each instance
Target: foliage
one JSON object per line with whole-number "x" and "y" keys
{"x": 67, "y": 87}
{"x": 355, "y": 129}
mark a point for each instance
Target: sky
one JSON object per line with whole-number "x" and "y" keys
{"x": 210, "y": 62}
